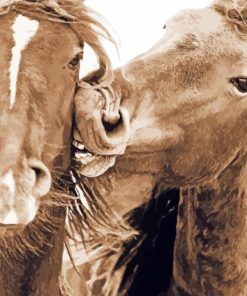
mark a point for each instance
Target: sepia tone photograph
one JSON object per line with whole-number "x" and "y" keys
{"x": 123, "y": 148}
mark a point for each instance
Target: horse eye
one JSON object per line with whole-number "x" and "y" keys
{"x": 75, "y": 61}
{"x": 240, "y": 83}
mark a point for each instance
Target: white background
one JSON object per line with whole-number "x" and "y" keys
{"x": 135, "y": 24}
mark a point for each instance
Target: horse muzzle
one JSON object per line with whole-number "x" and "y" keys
{"x": 21, "y": 191}
{"x": 102, "y": 124}
{"x": 102, "y": 129}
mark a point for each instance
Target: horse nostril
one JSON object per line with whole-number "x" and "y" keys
{"x": 43, "y": 178}
{"x": 112, "y": 123}
{"x": 113, "y": 130}
{"x": 38, "y": 171}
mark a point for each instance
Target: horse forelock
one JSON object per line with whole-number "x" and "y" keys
{"x": 82, "y": 20}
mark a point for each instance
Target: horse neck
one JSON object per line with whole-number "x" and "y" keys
{"x": 210, "y": 247}
{"x": 36, "y": 273}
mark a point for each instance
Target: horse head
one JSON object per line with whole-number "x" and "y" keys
{"x": 188, "y": 88}
{"x": 41, "y": 49}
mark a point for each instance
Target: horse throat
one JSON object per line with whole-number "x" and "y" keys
{"x": 210, "y": 248}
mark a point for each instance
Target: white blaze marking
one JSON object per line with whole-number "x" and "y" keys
{"x": 23, "y": 31}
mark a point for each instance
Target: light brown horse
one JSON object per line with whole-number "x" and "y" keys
{"x": 41, "y": 45}
{"x": 179, "y": 114}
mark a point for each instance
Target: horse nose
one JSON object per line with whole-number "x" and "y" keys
{"x": 20, "y": 192}
{"x": 103, "y": 124}
{"x": 116, "y": 127}
{"x": 42, "y": 182}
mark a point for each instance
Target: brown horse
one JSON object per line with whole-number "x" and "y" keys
{"x": 179, "y": 114}
{"x": 41, "y": 45}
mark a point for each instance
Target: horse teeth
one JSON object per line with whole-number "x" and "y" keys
{"x": 78, "y": 145}
{"x": 79, "y": 155}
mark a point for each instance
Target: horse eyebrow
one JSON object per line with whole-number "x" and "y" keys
{"x": 188, "y": 43}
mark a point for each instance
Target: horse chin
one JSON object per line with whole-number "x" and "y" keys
{"x": 95, "y": 165}
{"x": 89, "y": 163}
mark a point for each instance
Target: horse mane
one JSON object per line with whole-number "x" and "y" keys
{"x": 235, "y": 12}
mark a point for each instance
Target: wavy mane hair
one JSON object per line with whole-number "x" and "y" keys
{"x": 236, "y": 13}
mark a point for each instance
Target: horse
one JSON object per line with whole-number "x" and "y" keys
{"x": 41, "y": 46}
{"x": 174, "y": 118}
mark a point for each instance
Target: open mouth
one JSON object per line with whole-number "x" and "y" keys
{"x": 88, "y": 163}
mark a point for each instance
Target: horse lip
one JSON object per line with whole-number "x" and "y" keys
{"x": 96, "y": 147}
{"x": 97, "y": 166}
